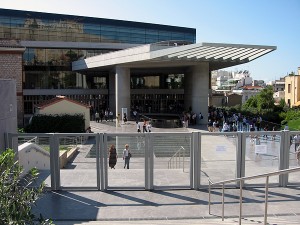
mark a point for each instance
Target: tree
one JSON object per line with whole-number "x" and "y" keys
{"x": 263, "y": 101}
{"x": 17, "y": 195}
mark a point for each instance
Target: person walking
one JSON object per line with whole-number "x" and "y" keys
{"x": 112, "y": 157}
{"x": 101, "y": 115}
{"x": 145, "y": 126}
{"x": 297, "y": 141}
{"x": 97, "y": 117}
{"x": 149, "y": 127}
{"x": 138, "y": 127}
{"x": 126, "y": 156}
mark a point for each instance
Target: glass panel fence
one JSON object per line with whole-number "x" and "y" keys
{"x": 34, "y": 152}
{"x": 294, "y": 157}
{"x": 262, "y": 155}
{"x": 218, "y": 156}
{"x": 77, "y": 161}
{"x": 172, "y": 157}
{"x": 125, "y": 172}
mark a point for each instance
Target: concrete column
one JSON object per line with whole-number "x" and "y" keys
{"x": 196, "y": 89}
{"x": 112, "y": 92}
{"x": 122, "y": 90}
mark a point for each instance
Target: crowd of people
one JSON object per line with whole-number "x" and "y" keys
{"x": 101, "y": 115}
{"x": 221, "y": 120}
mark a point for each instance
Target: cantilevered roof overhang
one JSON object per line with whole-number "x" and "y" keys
{"x": 159, "y": 55}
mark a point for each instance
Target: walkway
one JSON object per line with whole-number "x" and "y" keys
{"x": 164, "y": 206}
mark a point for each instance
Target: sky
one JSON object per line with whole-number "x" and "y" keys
{"x": 253, "y": 22}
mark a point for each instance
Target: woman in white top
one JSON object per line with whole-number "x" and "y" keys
{"x": 126, "y": 156}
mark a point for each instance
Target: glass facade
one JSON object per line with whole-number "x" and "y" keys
{"x": 158, "y": 103}
{"x": 158, "y": 81}
{"x": 35, "y": 26}
{"x": 47, "y": 67}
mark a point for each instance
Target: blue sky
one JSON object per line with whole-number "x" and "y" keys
{"x": 258, "y": 22}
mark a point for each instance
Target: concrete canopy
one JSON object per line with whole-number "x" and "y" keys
{"x": 218, "y": 56}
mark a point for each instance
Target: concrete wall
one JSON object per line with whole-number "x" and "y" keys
{"x": 31, "y": 155}
{"x": 11, "y": 67}
{"x": 8, "y": 110}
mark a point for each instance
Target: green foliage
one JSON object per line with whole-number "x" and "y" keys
{"x": 17, "y": 196}
{"x": 294, "y": 124}
{"x": 291, "y": 117}
{"x": 261, "y": 102}
{"x": 282, "y": 104}
{"x": 291, "y": 114}
{"x": 56, "y": 123}
{"x": 21, "y": 130}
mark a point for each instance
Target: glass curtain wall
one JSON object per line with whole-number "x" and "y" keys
{"x": 170, "y": 98}
{"x": 34, "y": 26}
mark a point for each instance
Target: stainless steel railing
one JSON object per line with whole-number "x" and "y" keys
{"x": 177, "y": 159}
{"x": 241, "y": 180}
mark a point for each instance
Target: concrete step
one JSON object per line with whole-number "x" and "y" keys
{"x": 204, "y": 221}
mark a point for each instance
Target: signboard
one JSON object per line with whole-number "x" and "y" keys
{"x": 261, "y": 149}
{"x": 221, "y": 148}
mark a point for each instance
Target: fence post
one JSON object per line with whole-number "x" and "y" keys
{"x": 240, "y": 156}
{"x": 54, "y": 162}
{"x": 99, "y": 161}
{"x": 151, "y": 161}
{"x": 195, "y": 182}
{"x": 284, "y": 157}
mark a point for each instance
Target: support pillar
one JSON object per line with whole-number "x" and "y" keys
{"x": 196, "y": 90}
{"x": 122, "y": 90}
{"x": 112, "y": 92}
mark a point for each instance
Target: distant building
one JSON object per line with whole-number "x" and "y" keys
{"x": 234, "y": 99}
{"x": 218, "y": 77}
{"x": 226, "y": 99}
{"x": 292, "y": 90}
{"x": 237, "y": 80}
{"x": 278, "y": 95}
{"x": 279, "y": 85}
{"x": 62, "y": 105}
{"x": 260, "y": 83}
{"x": 247, "y": 92}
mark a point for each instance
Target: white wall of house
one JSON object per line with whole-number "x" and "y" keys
{"x": 246, "y": 94}
{"x": 33, "y": 156}
{"x": 67, "y": 107}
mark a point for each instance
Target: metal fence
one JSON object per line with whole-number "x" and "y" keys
{"x": 156, "y": 161}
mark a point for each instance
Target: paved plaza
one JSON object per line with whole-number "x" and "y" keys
{"x": 126, "y": 201}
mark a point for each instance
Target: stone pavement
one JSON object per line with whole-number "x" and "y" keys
{"x": 180, "y": 206}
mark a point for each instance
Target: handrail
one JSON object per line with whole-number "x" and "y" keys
{"x": 240, "y": 180}
{"x": 175, "y": 155}
{"x": 29, "y": 140}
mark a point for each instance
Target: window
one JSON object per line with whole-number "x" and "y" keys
{"x": 289, "y": 88}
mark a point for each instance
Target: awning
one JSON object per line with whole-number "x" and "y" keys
{"x": 218, "y": 55}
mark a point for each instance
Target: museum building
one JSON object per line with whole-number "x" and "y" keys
{"x": 115, "y": 64}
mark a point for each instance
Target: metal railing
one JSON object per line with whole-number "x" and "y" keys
{"x": 177, "y": 159}
{"x": 241, "y": 180}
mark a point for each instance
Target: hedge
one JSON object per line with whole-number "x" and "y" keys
{"x": 56, "y": 124}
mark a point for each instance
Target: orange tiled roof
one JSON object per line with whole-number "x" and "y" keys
{"x": 59, "y": 99}
{"x": 251, "y": 87}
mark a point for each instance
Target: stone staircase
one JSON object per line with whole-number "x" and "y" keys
{"x": 163, "y": 146}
